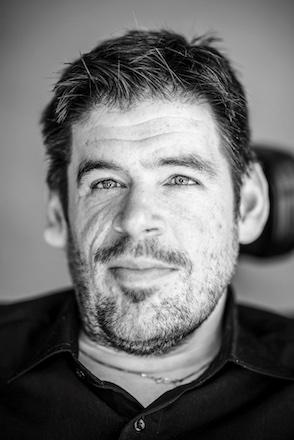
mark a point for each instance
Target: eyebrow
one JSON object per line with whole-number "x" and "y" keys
{"x": 192, "y": 161}
{"x": 88, "y": 165}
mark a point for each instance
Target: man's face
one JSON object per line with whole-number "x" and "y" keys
{"x": 152, "y": 236}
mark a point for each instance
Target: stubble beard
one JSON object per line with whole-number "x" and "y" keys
{"x": 170, "y": 321}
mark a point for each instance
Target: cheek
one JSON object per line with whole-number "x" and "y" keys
{"x": 207, "y": 226}
{"x": 91, "y": 223}
{"x": 186, "y": 218}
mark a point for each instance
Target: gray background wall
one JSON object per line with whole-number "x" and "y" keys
{"x": 37, "y": 36}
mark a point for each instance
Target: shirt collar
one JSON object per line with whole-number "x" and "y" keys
{"x": 240, "y": 344}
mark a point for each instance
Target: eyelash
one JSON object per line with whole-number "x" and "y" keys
{"x": 95, "y": 185}
{"x": 113, "y": 184}
{"x": 185, "y": 178}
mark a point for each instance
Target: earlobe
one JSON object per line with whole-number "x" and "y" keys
{"x": 55, "y": 233}
{"x": 254, "y": 205}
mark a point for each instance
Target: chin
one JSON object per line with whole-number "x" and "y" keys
{"x": 145, "y": 327}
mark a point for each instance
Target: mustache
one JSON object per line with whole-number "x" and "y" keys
{"x": 124, "y": 246}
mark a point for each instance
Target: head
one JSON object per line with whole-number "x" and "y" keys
{"x": 153, "y": 185}
{"x": 142, "y": 65}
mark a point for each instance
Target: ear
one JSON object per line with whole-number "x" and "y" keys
{"x": 254, "y": 205}
{"x": 55, "y": 233}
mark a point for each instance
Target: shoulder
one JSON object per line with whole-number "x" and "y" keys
{"x": 264, "y": 322}
{"x": 271, "y": 330}
{"x": 23, "y": 325}
{"x": 35, "y": 309}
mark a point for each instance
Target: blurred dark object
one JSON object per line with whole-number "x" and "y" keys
{"x": 277, "y": 238}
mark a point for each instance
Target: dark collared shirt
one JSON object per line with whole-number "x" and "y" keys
{"x": 246, "y": 393}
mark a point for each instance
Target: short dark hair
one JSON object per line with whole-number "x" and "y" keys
{"x": 145, "y": 65}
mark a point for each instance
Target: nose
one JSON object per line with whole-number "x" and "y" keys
{"x": 140, "y": 217}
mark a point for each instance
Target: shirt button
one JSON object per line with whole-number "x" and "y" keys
{"x": 80, "y": 373}
{"x": 139, "y": 425}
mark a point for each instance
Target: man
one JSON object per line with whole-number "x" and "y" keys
{"x": 153, "y": 186}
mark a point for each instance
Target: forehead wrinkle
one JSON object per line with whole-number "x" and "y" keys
{"x": 144, "y": 130}
{"x": 150, "y": 121}
{"x": 99, "y": 139}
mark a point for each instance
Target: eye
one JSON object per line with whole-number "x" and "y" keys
{"x": 105, "y": 184}
{"x": 182, "y": 180}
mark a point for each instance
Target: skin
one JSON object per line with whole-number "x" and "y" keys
{"x": 152, "y": 235}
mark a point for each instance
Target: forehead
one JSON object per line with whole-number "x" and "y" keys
{"x": 148, "y": 127}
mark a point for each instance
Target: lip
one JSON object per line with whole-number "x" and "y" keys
{"x": 140, "y": 264}
{"x": 129, "y": 272}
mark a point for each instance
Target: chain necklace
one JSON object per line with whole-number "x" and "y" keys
{"x": 157, "y": 379}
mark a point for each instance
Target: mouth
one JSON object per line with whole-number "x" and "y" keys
{"x": 140, "y": 273}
